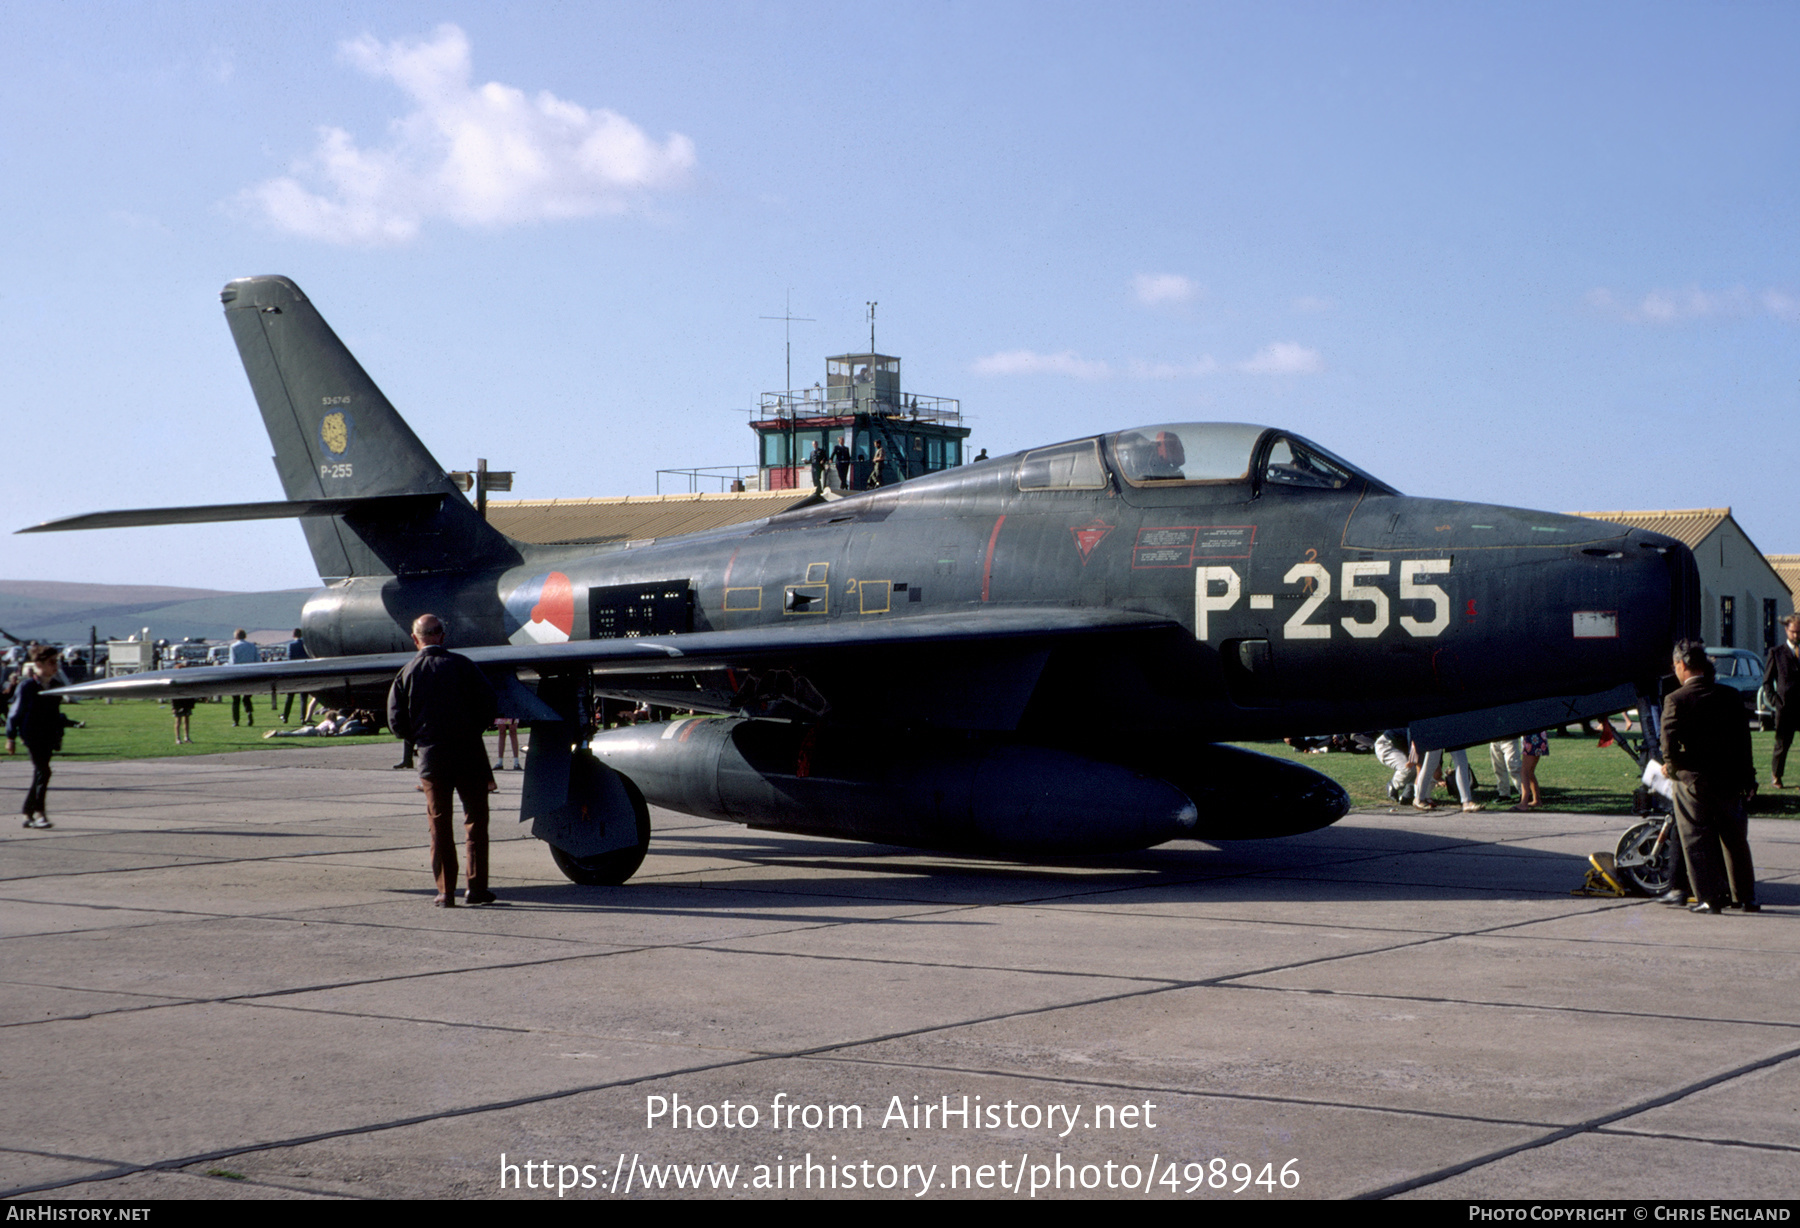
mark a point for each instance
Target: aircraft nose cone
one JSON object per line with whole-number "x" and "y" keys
{"x": 1683, "y": 581}
{"x": 1659, "y": 597}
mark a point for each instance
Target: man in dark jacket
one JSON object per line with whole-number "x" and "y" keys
{"x": 296, "y": 651}
{"x": 37, "y": 720}
{"x": 1782, "y": 677}
{"x": 442, "y": 702}
{"x": 1706, "y": 750}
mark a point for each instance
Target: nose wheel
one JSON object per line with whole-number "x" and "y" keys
{"x": 1644, "y": 867}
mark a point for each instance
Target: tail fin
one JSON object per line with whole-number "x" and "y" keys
{"x": 336, "y": 436}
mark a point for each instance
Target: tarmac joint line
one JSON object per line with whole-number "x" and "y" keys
{"x": 1591, "y": 1126}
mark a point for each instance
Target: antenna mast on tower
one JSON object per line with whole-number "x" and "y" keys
{"x": 788, "y": 319}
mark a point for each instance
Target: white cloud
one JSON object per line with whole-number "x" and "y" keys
{"x": 1173, "y": 370}
{"x": 1312, "y": 304}
{"x": 1667, "y": 306}
{"x": 1781, "y": 305}
{"x": 1283, "y": 358}
{"x": 1276, "y": 358}
{"x": 1030, "y": 362}
{"x": 479, "y": 156}
{"x": 1157, "y": 289}
{"x": 1693, "y": 303}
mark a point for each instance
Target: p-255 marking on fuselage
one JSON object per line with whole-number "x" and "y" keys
{"x": 1300, "y": 626}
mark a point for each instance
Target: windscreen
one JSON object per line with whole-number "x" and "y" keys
{"x": 1292, "y": 463}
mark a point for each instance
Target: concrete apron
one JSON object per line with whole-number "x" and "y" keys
{"x": 222, "y": 977}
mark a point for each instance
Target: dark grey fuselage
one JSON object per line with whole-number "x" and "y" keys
{"x": 1506, "y": 623}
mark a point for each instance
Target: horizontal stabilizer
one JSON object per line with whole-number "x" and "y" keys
{"x": 373, "y": 506}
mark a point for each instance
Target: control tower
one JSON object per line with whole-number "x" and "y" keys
{"x": 860, "y": 404}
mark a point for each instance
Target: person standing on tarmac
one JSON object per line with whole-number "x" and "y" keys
{"x": 37, "y": 720}
{"x": 442, "y": 702}
{"x": 1706, "y": 751}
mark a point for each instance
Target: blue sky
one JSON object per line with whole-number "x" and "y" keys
{"x": 1533, "y": 254}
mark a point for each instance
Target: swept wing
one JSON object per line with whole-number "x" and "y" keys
{"x": 647, "y": 655}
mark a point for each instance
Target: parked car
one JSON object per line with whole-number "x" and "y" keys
{"x": 1742, "y": 671}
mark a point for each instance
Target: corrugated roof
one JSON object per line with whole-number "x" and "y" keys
{"x": 1787, "y": 566}
{"x": 1689, "y": 527}
{"x": 633, "y": 517}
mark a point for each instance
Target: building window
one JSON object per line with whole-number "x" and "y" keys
{"x": 1728, "y": 622}
{"x": 1771, "y": 614}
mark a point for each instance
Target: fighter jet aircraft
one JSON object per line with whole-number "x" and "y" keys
{"x": 1043, "y": 653}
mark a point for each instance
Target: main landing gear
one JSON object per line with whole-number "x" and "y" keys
{"x": 611, "y": 868}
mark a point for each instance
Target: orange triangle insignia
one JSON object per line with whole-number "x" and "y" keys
{"x": 1088, "y": 535}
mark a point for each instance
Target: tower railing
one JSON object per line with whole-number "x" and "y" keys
{"x": 802, "y": 404}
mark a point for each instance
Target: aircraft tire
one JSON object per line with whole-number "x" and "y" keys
{"x": 1648, "y": 877}
{"x": 613, "y": 868}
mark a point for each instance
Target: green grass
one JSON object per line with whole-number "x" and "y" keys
{"x": 145, "y": 729}
{"x": 1578, "y": 776}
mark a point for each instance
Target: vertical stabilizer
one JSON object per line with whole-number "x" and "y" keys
{"x": 336, "y": 436}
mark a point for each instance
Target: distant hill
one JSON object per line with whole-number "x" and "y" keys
{"x": 52, "y": 610}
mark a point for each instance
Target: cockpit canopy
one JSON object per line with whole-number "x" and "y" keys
{"x": 1192, "y": 454}
{"x": 1186, "y": 452}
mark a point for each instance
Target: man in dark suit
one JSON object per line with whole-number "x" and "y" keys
{"x": 1706, "y": 751}
{"x": 1782, "y": 677}
{"x": 443, "y": 703}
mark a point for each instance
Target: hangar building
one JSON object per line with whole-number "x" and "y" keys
{"x": 1787, "y": 566}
